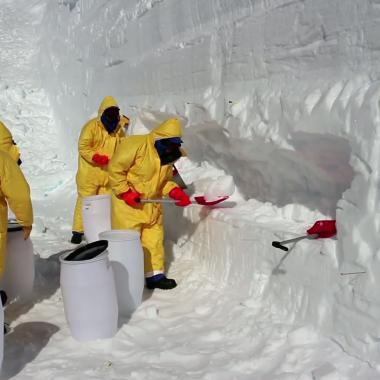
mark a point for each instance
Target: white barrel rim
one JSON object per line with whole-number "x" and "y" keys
{"x": 120, "y": 235}
{"x": 96, "y": 197}
{"x": 102, "y": 256}
{"x": 14, "y": 227}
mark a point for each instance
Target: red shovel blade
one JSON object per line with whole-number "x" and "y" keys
{"x": 324, "y": 228}
{"x": 202, "y": 201}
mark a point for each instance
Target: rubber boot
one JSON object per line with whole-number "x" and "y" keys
{"x": 159, "y": 281}
{"x": 77, "y": 237}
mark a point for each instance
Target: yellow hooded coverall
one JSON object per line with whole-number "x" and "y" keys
{"x": 91, "y": 178}
{"x": 7, "y": 144}
{"x": 136, "y": 166}
{"x": 14, "y": 190}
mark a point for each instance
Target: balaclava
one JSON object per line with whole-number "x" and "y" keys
{"x": 168, "y": 149}
{"x": 110, "y": 119}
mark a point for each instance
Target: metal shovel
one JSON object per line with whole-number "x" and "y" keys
{"x": 200, "y": 200}
{"x": 320, "y": 229}
{"x": 279, "y": 244}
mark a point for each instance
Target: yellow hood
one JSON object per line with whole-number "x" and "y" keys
{"x": 169, "y": 128}
{"x": 107, "y": 102}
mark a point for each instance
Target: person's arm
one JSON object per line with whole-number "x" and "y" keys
{"x": 122, "y": 160}
{"x": 7, "y": 144}
{"x": 86, "y": 147}
{"x": 124, "y": 122}
{"x": 169, "y": 185}
{"x": 17, "y": 193}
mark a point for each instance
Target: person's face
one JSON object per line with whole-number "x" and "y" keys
{"x": 170, "y": 153}
{"x": 112, "y": 114}
{"x": 170, "y": 146}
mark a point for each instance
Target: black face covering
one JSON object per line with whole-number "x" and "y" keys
{"x": 168, "y": 151}
{"x": 110, "y": 119}
{"x": 170, "y": 157}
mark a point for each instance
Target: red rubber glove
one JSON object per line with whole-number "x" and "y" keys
{"x": 324, "y": 228}
{"x": 132, "y": 198}
{"x": 100, "y": 159}
{"x": 179, "y": 195}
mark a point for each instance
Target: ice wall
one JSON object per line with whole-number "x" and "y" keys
{"x": 281, "y": 94}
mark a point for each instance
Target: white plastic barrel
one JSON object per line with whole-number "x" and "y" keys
{"x": 89, "y": 295}
{"x": 96, "y": 213}
{"x": 127, "y": 259}
{"x": 11, "y": 215}
{"x": 18, "y": 277}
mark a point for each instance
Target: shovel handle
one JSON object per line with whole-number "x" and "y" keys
{"x": 157, "y": 201}
{"x": 162, "y": 200}
{"x": 200, "y": 200}
{"x": 279, "y": 244}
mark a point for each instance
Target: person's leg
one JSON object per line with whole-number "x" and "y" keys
{"x": 3, "y": 244}
{"x": 77, "y": 222}
{"x": 152, "y": 240}
{"x": 3, "y": 236}
{"x": 3, "y": 254}
{"x": 83, "y": 191}
{"x": 103, "y": 190}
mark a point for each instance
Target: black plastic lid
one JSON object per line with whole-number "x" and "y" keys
{"x": 88, "y": 251}
{"x": 14, "y": 226}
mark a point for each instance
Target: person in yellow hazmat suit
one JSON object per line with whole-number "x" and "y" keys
{"x": 97, "y": 143}
{"x": 8, "y": 145}
{"x": 15, "y": 192}
{"x": 142, "y": 167}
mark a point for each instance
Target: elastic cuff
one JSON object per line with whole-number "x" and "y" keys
{"x": 153, "y": 273}
{"x": 155, "y": 278}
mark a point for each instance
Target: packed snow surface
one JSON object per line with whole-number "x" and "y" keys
{"x": 280, "y": 105}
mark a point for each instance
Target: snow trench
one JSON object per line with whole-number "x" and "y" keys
{"x": 291, "y": 112}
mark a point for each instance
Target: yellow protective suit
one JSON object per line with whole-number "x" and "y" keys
{"x": 136, "y": 166}
{"x": 91, "y": 178}
{"x": 7, "y": 144}
{"x": 14, "y": 190}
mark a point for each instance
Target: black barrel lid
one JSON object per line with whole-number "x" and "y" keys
{"x": 14, "y": 226}
{"x": 88, "y": 251}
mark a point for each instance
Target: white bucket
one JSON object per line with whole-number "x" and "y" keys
{"x": 89, "y": 296}
{"x": 96, "y": 213}
{"x": 127, "y": 258}
{"x": 18, "y": 277}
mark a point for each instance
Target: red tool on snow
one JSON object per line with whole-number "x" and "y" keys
{"x": 320, "y": 229}
{"x": 200, "y": 200}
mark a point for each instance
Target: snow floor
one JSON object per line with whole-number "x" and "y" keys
{"x": 199, "y": 330}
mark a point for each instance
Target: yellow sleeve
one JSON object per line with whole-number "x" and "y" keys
{"x": 123, "y": 158}
{"x": 16, "y": 190}
{"x": 169, "y": 185}
{"x": 86, "y": 141}
{"x": 124, "y": 122}
{"x": 121, "y": 134}
{"x": 7, "y": 144}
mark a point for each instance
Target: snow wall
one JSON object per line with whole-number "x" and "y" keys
{"x": 281, "y": 94}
